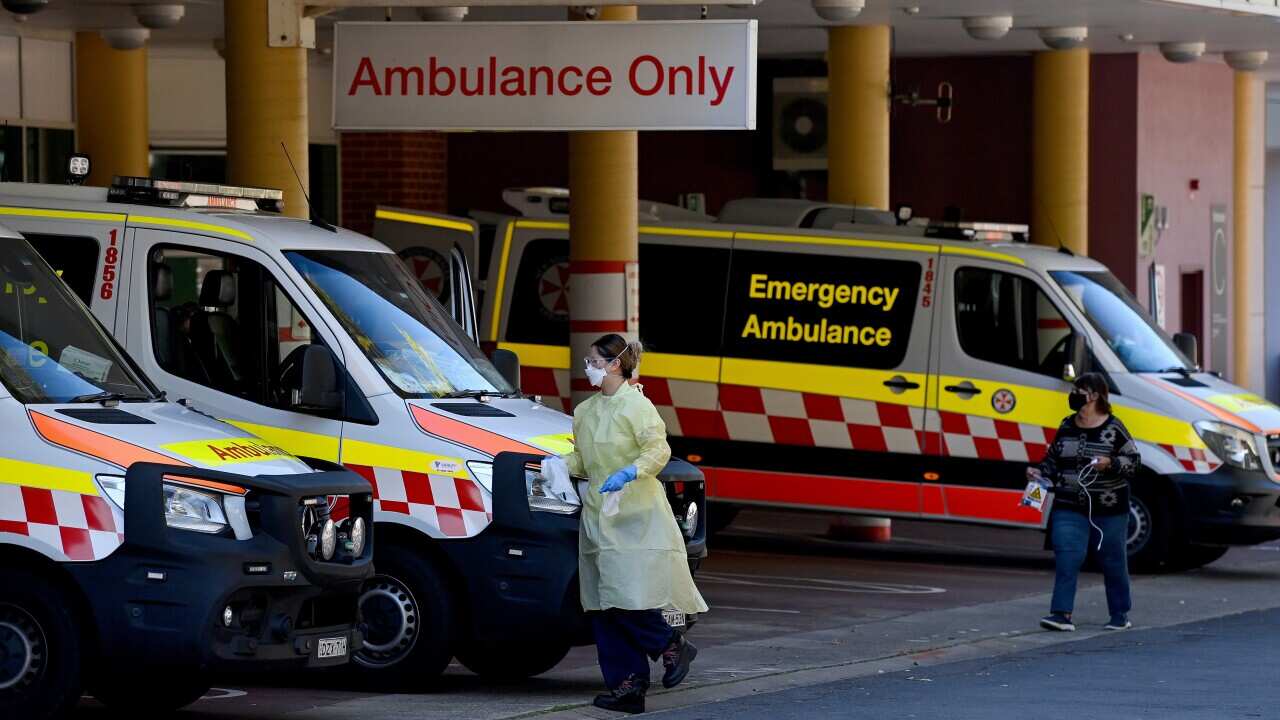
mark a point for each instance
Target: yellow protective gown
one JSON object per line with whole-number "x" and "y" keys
{"x": 636, "y": 559}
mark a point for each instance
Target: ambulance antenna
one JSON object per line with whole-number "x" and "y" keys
{"x": 311, "y": 209}
{"x": 1062, "y": 248}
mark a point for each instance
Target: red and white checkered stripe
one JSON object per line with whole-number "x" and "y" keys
{"x": 551, "y": 384}
{"x": 751, "y": 414}
{"x": 974, "y": 436}
{"x": 1194, "y": 460}
{"x": 450, "y": 507}
{"x": 79, "y": 527}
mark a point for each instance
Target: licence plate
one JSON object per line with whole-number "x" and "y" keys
{"x": 331, "y": 648}
{"x": 674, "y": 618}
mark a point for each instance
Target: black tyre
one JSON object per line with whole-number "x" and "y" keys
{"x": 512, "y": 664}
{"x": 720, "y": 516}
{"x": 145, "y": 694}
{"x": 1150, "y": 527}
{"x": 408, "y": 612}
{"x": 40, "y": 648}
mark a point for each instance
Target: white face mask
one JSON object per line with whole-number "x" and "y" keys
{"x": 595, "y": 375}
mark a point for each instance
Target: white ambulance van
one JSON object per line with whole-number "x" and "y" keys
{"x": 821, "y": 357}
{"x": 321, "y": 341}
{"x": 142, "y": 543}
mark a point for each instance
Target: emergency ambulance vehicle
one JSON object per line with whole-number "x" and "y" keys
{"x": 816, "y": 356}
{"x": 143, "y": 544}
{"x": 322, "y": 342}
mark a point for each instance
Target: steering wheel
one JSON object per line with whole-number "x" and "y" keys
{"x": 1056, "y": 358}
{"x": 289, "y": 375}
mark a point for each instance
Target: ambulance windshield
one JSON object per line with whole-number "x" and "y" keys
{"x": 1129, "y": 332}
{"x": 413, "y": 342}
{"x": 51, "y": 349}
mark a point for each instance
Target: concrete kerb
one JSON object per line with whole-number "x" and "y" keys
{"x": 964, "y": 633}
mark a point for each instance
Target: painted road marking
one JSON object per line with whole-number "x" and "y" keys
{"x": 821, "y": 584}
{"x": 223, "y": 694}
{"x": 759, "y": 610}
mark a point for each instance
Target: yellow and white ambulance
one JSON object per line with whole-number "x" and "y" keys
{"x": 142, "y": 543}
{"x": 816, "y": 356}
{"x": 323, "y": 342}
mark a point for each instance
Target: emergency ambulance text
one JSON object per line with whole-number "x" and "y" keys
{"x": 792, "y": 330}
{"x": 824, "y": 294}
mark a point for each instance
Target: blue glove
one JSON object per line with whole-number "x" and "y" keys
{"x": 618, "y": 479}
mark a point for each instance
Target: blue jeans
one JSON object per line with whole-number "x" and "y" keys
{"x": 626, "y": 640}
{"x": 1073, "y": 539}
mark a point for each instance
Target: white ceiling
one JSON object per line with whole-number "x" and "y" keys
{"x": 790, "y": 27}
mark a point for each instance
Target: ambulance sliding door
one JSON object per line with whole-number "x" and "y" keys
{"x": 526, "y": 304}
{"x": 999, "y": 394}
{"x": 824, "y": 375}
{"x": 684, "y": 273}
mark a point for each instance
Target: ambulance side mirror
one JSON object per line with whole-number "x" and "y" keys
{"x": 508, "y": 363}
{"x": 320, "y": 389}
{"x": 1188, "y": 345}
{"x": 1077, "y": 358}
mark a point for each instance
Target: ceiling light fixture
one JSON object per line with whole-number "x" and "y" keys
{"x": 1064, "y": 38}
{"x": 988, "y": 27}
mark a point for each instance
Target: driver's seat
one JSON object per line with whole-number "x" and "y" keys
{"x": 215, "y": 332}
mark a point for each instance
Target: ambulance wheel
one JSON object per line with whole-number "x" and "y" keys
{"x": 149, "y": 693}
{"x": 511, "y": 664}
{"x": 1149, "y": 527}
{"x": 39, "y": 649}
{"x": 408, "y": 612}
{"x": 720, "y": 516}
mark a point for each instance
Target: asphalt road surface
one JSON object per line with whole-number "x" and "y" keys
{"x": 1222, "y": 668}
{"x": 792, "y": 607}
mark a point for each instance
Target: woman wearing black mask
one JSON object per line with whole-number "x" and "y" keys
{"x": 1090, "y": 464}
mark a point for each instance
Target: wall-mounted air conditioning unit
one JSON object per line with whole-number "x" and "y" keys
{"x": 799, "y": 124}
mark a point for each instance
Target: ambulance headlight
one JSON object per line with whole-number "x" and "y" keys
{"x": 113, "y": 487}
{"x": 358, "y": 537}
{"x": 1236, "y": 447}
{"x": 189, "y": 509}
{"x": 328, "y": 540}
{"x": 540, "y": 497}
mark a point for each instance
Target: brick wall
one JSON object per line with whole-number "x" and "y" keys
{"x": 406, "y": 170}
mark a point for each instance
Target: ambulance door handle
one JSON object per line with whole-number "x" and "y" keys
{"x": 966, "y": 388}
{"x": 899, "y": 384}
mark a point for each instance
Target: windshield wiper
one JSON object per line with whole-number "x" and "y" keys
{"x": 1180, "y": 369}
{"x": 107, "y": 396}
{"x": 477, "y": 394}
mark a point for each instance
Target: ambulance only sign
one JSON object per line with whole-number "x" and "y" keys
{"x": 677, "y": 75}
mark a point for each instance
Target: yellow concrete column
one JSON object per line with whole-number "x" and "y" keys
{"x": 603, "y": 230}
{"x": 858, "y": 115}
{"x": 266, "y": 105}
{"x": 111, "y": 108}
{"x": 1060, "y": 149}
{"x": 1247, "y": 325}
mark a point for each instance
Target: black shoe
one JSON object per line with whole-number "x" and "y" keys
{"x": 677, "y": 658}
{"x": 627, "y": 697}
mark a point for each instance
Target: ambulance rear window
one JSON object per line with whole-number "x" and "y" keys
{"x": 73, "y": 257}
